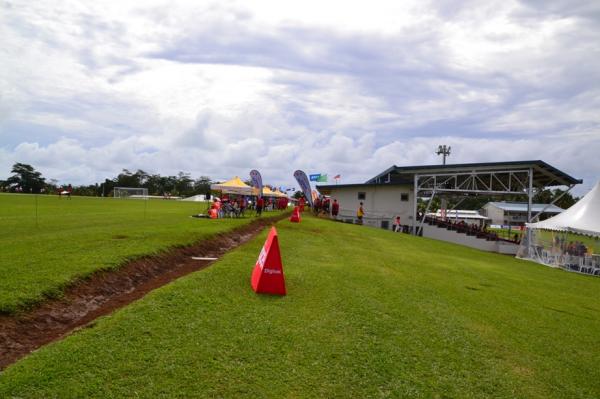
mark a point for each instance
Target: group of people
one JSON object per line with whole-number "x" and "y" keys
{"x": 230, "y": 206}
{"x": 66, "y": 191}
{"x": 324, "y": 205}
{"x": 576, "y": 248}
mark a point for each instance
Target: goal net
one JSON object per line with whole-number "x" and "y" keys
{"x": 130, "y": 192}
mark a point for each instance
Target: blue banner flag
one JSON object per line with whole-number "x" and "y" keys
{"x": 256, "y": 181}
{"x": 304, "y": 185}
{"x": 315, "y": 177}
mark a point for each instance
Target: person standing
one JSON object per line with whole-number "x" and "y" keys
{"x": 326, "y": 205}
{"x": 335, "y": 209}
{"x": 260, "y": 203}
{"x": 242, "y": 206}
{"x": 301, "y": 203}
{"x": 397, "y": 225}
{"x": 360, "y": 212}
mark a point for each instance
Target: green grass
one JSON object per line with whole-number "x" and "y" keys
{"x": 368, "y": 314}
{"x": 73, "y": 238}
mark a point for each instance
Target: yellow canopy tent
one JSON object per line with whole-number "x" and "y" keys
{"x": 267, "y": 192}
{"x": 280, "y": 194}
{"x": 233, "y": 186}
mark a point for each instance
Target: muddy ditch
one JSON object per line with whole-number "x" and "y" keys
{"x": 105, "y": 291}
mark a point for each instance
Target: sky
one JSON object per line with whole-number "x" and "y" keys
{"x": 88, "y": 88}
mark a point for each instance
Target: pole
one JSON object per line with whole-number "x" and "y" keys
{"x": 36, "y": 211}
{"x": 426, "y": 210}
{"x": 416, "y": 191}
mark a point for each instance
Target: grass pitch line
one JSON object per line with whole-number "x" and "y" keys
{"x": 202, "y": 258}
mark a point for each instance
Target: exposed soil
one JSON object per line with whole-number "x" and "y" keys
{"x": 105, "y": 291}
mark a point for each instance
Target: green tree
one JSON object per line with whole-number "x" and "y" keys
{"x": 202, "y": 185}
{"x": 547, "y": 196}
{"x": 25, "y": 177}
{"x": 184, "y": 185}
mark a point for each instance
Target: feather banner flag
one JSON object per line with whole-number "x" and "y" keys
{"x": 304, "y": 184}
{"x": 257, "y": 181}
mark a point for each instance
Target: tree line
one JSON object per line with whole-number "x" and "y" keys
{"x": 24, "y": 178}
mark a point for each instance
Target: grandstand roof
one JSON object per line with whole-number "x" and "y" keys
{"x": 543, "y": 174}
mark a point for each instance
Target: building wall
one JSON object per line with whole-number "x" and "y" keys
{"x": 494, "y": 213}
{"x": 381, "y": 204}
{"x": 513, "y": 218}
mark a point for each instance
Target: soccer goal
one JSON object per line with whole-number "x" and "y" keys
{"x": 130, "y": 192}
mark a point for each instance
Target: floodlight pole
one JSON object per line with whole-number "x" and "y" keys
{"x": 445, "y": 151}
{"x": 530, "y": 195}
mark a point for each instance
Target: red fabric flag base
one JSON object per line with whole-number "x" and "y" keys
{"x": 267, "y": 276}
{"x": 295, "y": 218}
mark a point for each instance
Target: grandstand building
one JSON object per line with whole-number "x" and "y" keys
{"x": 394, "y": 191}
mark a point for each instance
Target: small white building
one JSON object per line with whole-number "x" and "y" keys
{"x": 382, "y": 203}
{"x": 515, "y": 213}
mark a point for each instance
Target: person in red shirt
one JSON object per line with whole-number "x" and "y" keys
{"x": 242, "y": 206}
{"x": 335, "y": 209}
{"x": 260, "y": 203}
{"x": 317, "y": 206}
{"x": 301, "y": 203}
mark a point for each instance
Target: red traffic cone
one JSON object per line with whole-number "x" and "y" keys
{"x": 267, "y": 276}
{"x": 295, "y": 218}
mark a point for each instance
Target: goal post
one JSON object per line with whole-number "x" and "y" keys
{"x": 130, "y": 192}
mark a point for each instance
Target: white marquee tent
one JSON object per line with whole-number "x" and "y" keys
{"x": 581, "y": 218}
{"x": 570, "y": 240}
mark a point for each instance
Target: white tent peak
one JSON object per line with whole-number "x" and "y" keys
{"x": 582, "y": 218}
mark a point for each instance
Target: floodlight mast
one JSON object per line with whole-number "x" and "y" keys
{"x": 445, "y": 151}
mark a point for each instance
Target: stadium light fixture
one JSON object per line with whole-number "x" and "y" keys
{"x": 445, "y": 151}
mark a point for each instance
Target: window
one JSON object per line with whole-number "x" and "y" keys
{"x": 362, "y": 195}
{"x": 404, "y": 197}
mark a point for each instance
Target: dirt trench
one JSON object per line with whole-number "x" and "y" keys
{"x": 105, "y": 291}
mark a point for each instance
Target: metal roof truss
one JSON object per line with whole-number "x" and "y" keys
{"x": 477, "y": 182}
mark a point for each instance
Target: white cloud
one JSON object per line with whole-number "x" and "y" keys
{"x": 219, "y": 88}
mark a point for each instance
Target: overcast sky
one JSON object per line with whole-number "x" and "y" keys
{"x": 88, "y": 88}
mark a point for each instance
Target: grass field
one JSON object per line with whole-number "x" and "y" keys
{"x": 73, "y": 238}
{"x": 368, "y": 313}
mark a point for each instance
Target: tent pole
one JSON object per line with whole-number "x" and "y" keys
{"x": 537, "y": 215}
